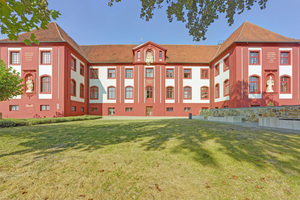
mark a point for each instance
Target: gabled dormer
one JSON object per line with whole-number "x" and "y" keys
{"x": 149, "y": 53}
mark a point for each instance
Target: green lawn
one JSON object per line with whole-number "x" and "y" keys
{"x": 151, "y": 159}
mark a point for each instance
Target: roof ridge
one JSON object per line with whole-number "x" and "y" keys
{"x": 217, "y": 52}
{"x": 59, "y": 33}
{"x": 241, "y": 31}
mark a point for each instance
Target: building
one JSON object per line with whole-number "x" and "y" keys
{"x": 253, "y": 67}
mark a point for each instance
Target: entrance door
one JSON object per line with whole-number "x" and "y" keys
{"x": 149, "y": 110}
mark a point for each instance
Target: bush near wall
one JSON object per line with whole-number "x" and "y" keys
{"x": 28, "y": 122}
{"x": 252, "y": 114}
{"x": 0, "y": 115}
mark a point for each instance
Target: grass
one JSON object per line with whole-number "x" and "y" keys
{"x": 153, "y": 159}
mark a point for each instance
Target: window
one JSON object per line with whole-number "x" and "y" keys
{"x": 204, "y": 108}
{"x": 160, "y": 54}
{"x": 254, "y": 57}
{"x": 73, "y": 88}
{"x": 14, "y": 107}
{"x": 46, "y": 57}
{"x": 204, "y": 92}
{"x": 149, "y": 92}
{"x": 285, "y": 58}
{"x": 217, "y": 68}
{"x": 94, "y": 74}
{"x": 111, "y": 111}
{"x": 73, "y": 64}
{"x": 45, "y": 107}
{"x": 169, "y": 73}
{"x": 82, "y": 109}
{"x": 73, "y": 108}
{"x": 225, "y": 107}
{"x": 285, "y": 84}
{"x": 111, "y": 93}
{"x": 187, "y": 73}
{"x": 204, "y": 73}
{"x": 226, "y": 88}
{"x": 111, "y": 73}
{"x": 129, "y": 73}
{"x": 138, "y": 54}
{"x": 128, "y": 92}
{"x": 129, "y": 109}
{"x": 81, "y": 90}
{"x": 46, "y": 84}
{"x": 94, "y": 109}
{"x": 149, "y": 72}
{"x": 14, "y": 58}
{"x": 254, "y": 106}
{"x": 94, "y": 92}
{"x": 217, "y": 91}
{"x": 254, "y": 84}
{"x": 187, "y": 109}
{"x": 226, "y": 64}
{"x": 81, "y": 69}
{"x": 170, "y": 93}
{"x": 169, "y": 109}
{"x": 187, "y": 93}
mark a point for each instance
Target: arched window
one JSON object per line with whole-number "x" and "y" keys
{"x": 111, "y": 92}
{"x": 170, "y": 93}
{"x": 94, "y": 92}
{"x": 149, "y": 92}
{"x": 46, "y": 84}
{"x": 129, "y": 92}
{"x": 73, "y": 88}
{"x": 217, "y": 91}
{"x": 285, "y": 84}
{"x": 226, "y": 87}
{"x": 254, "y": 84}
{"x": 204, "y": 92}
{"x": 187, "y": 92}
{"x": 81, "y": 90}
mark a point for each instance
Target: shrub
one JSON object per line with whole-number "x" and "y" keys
{"x": 33, "y": 121}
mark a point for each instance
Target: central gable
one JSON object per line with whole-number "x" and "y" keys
{"x": 149, "y": 53}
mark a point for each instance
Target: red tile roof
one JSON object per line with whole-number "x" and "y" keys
{"x": 249, "y": 32}
{"x": 124, "y": 54}
{"x": 54, "y": 33}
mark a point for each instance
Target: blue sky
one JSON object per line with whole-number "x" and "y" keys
{"x": 94, "y": 22}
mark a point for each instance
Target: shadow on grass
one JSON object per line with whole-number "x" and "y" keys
{"x": 240, "y": 143}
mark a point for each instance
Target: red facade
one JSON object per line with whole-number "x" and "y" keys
{"x": 253, "y": 67}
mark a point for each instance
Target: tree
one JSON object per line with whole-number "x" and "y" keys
{"x": 17, "y": 16}
{"x": 10, "y": 82}
{"x": 199, "y": 14}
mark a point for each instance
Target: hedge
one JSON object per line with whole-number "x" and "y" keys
{"x": 33, "y": 121}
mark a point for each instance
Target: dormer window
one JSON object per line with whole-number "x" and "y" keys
{"x": 138, "y": 54}
{"x": 160, "y": 54}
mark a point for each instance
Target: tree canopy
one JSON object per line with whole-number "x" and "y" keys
{"x": 17, "y": 16}
{"x": 10, "y": 82}
{"x": 198, "y": 14}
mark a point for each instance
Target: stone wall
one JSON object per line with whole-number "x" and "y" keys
{"x": 253, "y": 114}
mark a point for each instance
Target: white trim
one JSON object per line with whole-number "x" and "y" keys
{"x": 169, "y": 101}
{"x": 45, "y": 49}
{"x": 128, "y": 101}
{"x": 254, "y": 96}
{"x": 14, "y": 49}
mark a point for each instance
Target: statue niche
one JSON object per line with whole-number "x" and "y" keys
{"x": 149, "y": 57}
{"x": 29, "y": 84}
{"x": 270, "y": 84}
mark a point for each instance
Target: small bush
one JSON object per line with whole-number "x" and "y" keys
{"x": 33, "y": 121}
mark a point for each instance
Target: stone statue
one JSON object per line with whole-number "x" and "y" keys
{"x": 29, "y": 85}
{"x": 270, "y": 84}
{"x": 149, "y": 58}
